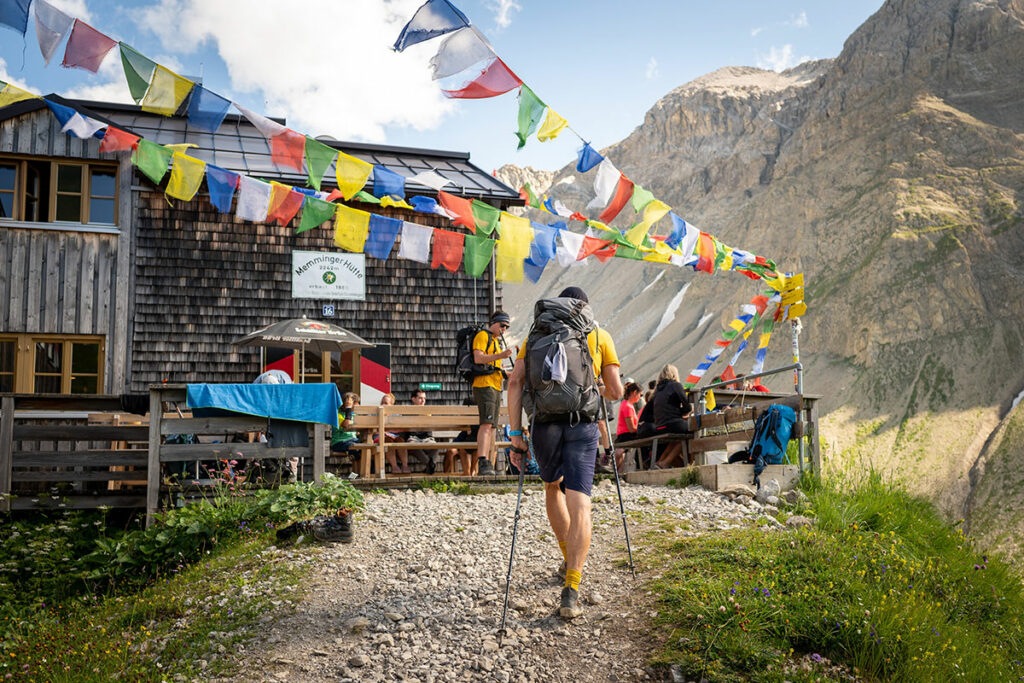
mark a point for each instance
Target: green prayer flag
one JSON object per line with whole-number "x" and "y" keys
{"x": 531, "y": 198}
{"x": 152, "y": 159}
{"x": 719, "y": 253}
{"x": 476, "y": 254}
{"x": 318, "y": 158}
{"x": 138, "y": 71}
{"x": 641, "y": 198}
{"x": 486, "y": 217}
{"x": 531, "y": 109}
{"x": 315, "y": 212}
{"x": 363, "y": 196}
{"x": 627, "y": 250}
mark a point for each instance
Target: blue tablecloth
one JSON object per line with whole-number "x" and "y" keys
{"x": 300, "y": 402}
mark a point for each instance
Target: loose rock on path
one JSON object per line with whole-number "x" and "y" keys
{"x": 418, "y": 595}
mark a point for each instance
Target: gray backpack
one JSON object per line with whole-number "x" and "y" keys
{"x": 560, "y": 384}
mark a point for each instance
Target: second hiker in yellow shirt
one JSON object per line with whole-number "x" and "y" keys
{"x": 487, "y": 388}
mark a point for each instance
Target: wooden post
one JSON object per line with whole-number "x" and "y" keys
{"x": 156, "y": 416}
{"x": 380, "y": 442}
{"x": 815, "y": 439}
{"x": 6, "y": 451}
{"x": 319, "y": 451}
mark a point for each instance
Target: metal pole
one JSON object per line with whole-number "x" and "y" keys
{"x": 515, "y": 529}
{"x": 618, "y": 487}
{"x": 800, "y": 392}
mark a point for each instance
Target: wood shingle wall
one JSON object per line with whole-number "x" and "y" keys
{"x": 203, "y": 278}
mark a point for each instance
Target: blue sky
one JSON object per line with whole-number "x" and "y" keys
{"x": 326, "y": 65}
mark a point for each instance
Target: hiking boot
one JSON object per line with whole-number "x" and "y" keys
{"x": 561, "y": 570}
{"x": 570, "y": 608}
{"x": 336, "y": 529}
{"x": 485, "y": 468}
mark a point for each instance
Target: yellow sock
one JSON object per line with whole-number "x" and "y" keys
{"x": 573, "y": 578}
{"x": 561, "y": 546}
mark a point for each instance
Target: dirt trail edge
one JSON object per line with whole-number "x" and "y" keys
{"x": 418, "y": 595}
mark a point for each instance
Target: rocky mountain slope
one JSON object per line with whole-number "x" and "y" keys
{"x": 892, "y": 176}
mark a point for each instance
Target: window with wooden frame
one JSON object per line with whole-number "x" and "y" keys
{"x": 51, "y": 364}
{"x": 331, "y": 367}
{"x": 58, "y": 191}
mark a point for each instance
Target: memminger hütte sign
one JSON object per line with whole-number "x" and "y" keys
{"x": 326, "y": 275}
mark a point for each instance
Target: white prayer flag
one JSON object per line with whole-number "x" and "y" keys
{"x": 458, "y": 52}
{"x": 253, "y": 199}
{"x": 415, "y": 244}
{"x": 51, "y": 27}
{"x": 605, "y": 182}
{"x": 689, "y": 241}
{"x": 569, "y": 249}
{"x": 81, "y": 126}
{"x": 265, "y": 126}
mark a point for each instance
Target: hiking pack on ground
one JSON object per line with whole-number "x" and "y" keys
{"x": 467, "y": 368}
{"x": 771, "y": 437}
{"x": 560, "y": 380}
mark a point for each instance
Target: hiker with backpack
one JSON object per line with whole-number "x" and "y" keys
{"x": 488, "y": 378}
{"x": 561, "y": 372}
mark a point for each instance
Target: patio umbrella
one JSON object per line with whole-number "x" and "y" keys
{"x": 304, "y": 334}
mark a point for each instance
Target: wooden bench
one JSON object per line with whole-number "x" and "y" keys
{"x": 441, "y": 421}
{"x": 696, "y": 442}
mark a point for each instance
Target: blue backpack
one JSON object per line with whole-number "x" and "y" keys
{"x": 771, "y": 437}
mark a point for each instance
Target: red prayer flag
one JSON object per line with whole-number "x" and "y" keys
{"x": 605, "y": 255}
{"x": 287, "y": 149}
{"x": 496, "y": 79}
{"x": 623, "y": 191}
{"x": 86, "y": 47}
{"x": 577, "y": 216}
{"x": 335, "y": 194}
{"x": 705, "y": 253}
{"x": 591, "y": 245}
{"x": 760, "y": 303}
{"x": 284, "y": 204}
{"x": 461, "y": 207}
{"x": 447, "y": 249}
{"x": 117, "y": 140}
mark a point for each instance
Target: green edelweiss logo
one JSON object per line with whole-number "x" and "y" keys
{"x": 330, "y": 277}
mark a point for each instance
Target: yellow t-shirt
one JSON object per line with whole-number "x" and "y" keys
{"x": 493, "y": 380}
{"x": 602, "y": 350}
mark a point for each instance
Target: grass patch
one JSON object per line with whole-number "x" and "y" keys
{"x": 690, "y": 476}
{"x": 880, "y": 586}
{"x": 461, "y": 488}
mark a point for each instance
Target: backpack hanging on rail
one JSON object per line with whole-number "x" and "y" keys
{"x": 467, "y": 368}
{"x": 771, "y": 437}
{"x": 560, "y": 382}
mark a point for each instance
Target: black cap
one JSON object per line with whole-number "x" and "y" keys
{"x": 501, "y": 317}
{"x": 574, "y": 293}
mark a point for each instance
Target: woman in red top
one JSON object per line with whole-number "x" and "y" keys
{"x": 625, "y": 429}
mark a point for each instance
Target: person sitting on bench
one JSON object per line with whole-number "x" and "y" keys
{"x": 627, "y": 422}
{"x": 671, "y": 408}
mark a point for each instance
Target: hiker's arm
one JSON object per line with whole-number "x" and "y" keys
{"x": 612, "y": 383}
{"x": 515, "y": 408}
{"x": 481, "y": 357}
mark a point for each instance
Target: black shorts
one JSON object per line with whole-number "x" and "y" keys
{"x": 566, "y": 452}
{"x": 678, "y": 426}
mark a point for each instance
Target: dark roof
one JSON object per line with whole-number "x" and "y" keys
{"x": 239, "y": 146}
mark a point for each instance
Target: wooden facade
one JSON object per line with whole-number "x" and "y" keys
{"x": 173, "y": 283}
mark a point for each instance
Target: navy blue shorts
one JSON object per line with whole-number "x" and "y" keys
{"x": 569, "y": 452}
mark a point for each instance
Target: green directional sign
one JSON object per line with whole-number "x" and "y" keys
{"x": 430, "y": 386}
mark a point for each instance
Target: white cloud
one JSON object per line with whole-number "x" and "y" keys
{"x": 779, "y": 58}
{"x": 755, "y": 31}
{"x": 112, "y": 86}
{"x": 328, "y": 68}
{"x": 652, "y": 69}
{"x": 503, "y": 10}
{"x": 6, "y": 76}
{"x": 798, "y": 21}
{"x": 73, "y": 8}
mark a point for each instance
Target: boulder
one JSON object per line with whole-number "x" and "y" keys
{"x": 733, "y": 490}
{"x": 797, "y": 521}
{"x": 768, "y": 489}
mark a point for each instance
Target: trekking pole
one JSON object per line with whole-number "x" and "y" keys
{"x": 618, "y": 487}
{"x": 515, "y": 528}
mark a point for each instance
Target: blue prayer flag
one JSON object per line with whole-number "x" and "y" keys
{"x": 533, "y": 271}
{"x": 206, "y": 110}
{"x": 387, "y": 182}
{"x": 542, "y": 249}
{"x": 678, "y": 230}
{"x": 424, "y": 204}
{"x": 62, "y": 113}
{"x": 589, "y": 158}
{"x": 558, "y": 225}
{"x": 381, "y": 239}
{"x": 434, "y": 18}
{"x": 221, "y": 184}
{"x": 14, "y": 13}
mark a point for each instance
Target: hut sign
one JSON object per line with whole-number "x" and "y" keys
{"x": 317, "y": 275}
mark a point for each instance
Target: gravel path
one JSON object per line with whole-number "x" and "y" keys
{"x": 418, "y": 595}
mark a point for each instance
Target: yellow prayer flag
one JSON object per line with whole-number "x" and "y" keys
{"x": 351, "y": 173}
{"x": 516, "y": 236}
{"x": 508, "y": 268}
{"x": 387, "y": 201}
{"x": 167, "y": 90}
{"x": 709, "y": 400}
{"x": 186, "y": 177}
{"x": 552, "y": 126}
{"x": 351, "y": 228}
{"x": 726, "y": 263}
{"x": 182, "y": 147}
{"x": 737, "y": 324}
{"x": 12, "y": 93}
{"x": 653, "y": 212}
